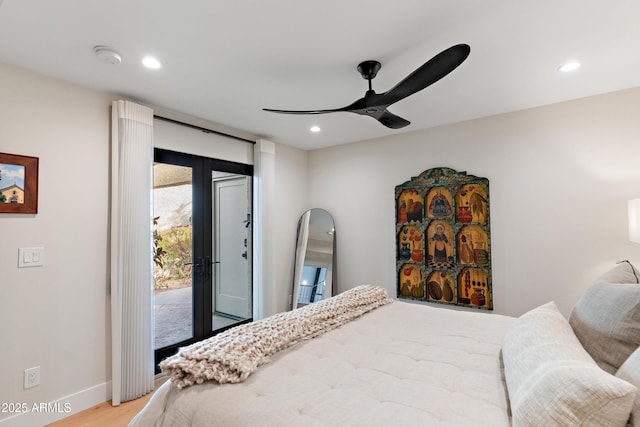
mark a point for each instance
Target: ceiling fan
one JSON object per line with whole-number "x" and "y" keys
{"x": 375, "y": 104}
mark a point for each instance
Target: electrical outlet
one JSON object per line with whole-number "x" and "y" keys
{"x": 31, "y": 377}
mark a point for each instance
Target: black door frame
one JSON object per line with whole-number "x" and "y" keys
{"x": 202, "y": 242}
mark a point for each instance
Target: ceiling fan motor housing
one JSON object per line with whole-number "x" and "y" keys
{"x": 369, "y": 69}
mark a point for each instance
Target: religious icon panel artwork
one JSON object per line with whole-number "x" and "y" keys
{"x": 443, "y": 240}
{"x": 411, "y": 281}
{"x": 440, "y": 244}
{"x": 410, "y": 206}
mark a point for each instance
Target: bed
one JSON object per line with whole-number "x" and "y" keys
{"x": 404, "y": 364}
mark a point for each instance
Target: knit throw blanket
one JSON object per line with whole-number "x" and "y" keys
{"x": 230, "y": 357}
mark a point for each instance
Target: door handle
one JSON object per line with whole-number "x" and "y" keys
{"x": 212, "y": 263}
{"x": 244, "y": 255}
{"x": 197, "y": 266}
{"x": 208, "y": 263}
{"x": 207, "y": 267}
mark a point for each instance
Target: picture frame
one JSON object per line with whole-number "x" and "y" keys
{"x": 18, "y": 184}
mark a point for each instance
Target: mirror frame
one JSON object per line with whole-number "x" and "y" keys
{"x": 302, "y": 240}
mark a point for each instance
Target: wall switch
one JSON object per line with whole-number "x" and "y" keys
{"x": 31, "y": 377}
{"x": 30, "y": 257}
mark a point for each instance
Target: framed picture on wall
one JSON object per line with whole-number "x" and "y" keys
{"x": 18, "y": 184}
{"x": 443, "y": 244}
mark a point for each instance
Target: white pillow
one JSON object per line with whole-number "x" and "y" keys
{"x": 630, "y": 372}
{"x": 552, "y": 380}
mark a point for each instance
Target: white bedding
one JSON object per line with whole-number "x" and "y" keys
{"x": 402, "y": 364}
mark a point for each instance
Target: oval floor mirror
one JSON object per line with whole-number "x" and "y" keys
{"x": 314, "y": 275}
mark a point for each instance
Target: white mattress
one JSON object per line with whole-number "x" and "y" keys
{"x": 402, "y": 364}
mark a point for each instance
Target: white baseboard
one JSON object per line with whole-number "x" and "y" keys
{"x": 41, "y": 414}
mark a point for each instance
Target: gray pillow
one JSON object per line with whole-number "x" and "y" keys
{"x": 606, "y": 319}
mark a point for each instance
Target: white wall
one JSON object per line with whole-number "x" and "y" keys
{"x": 560, "y": 177}
{"x": 56, "y": 316}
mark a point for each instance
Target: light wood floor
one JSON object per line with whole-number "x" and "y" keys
{"x": 106, "y": 415}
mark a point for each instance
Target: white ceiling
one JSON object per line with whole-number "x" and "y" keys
{"x": 225, "y": 60}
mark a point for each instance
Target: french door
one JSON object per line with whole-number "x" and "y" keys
{"x": 202, "y": 248}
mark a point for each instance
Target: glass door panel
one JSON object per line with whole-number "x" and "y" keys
{"x": 173, "y": 254}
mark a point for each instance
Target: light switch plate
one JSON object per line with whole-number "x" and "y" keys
{"x": 30, "y": 257}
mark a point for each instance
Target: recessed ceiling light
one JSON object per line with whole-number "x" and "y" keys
{"x": 570, "y": 66}
{"x": 315, "y": 129}
{"x": 151, "y": 62}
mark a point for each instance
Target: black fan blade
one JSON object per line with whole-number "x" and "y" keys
{"x": 303, "y": 111}
{"x": 392, "y": 121}
{"x": 427, "y": 74}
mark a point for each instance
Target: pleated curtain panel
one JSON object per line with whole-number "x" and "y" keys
{"x": 131, "y": 251}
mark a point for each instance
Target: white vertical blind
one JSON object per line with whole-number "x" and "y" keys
{"x": 131, "y": 251}
{"x": 264, "y": 291}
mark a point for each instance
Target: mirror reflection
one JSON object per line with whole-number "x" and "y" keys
{"x": 314, "y": 277}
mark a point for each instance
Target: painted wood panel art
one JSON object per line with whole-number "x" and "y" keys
{"x": 443, "y": 244}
